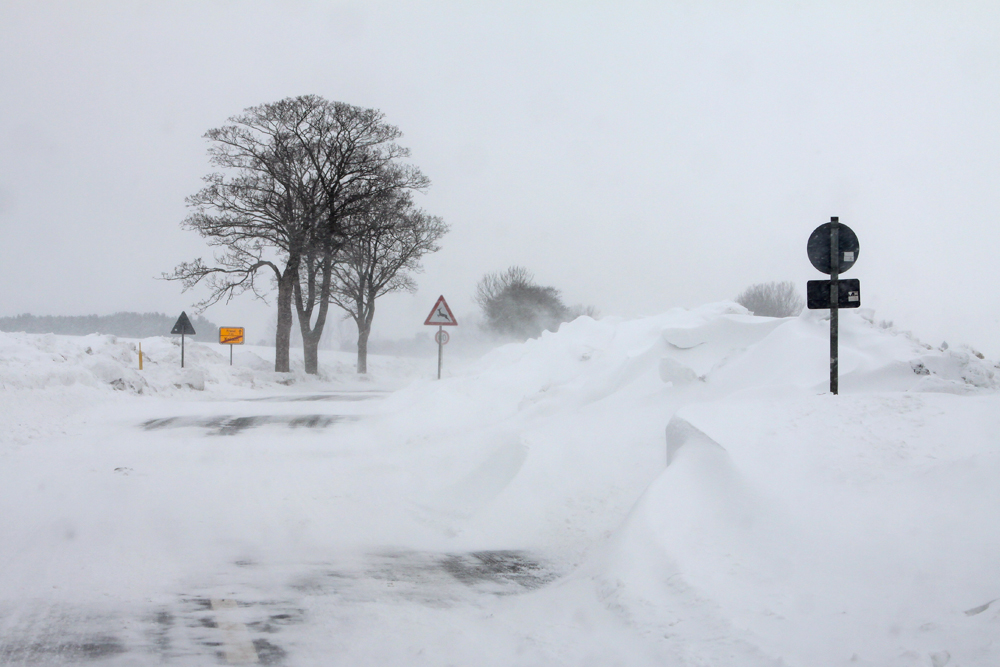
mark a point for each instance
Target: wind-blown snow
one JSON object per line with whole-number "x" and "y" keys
{"x": 697, "y": 494}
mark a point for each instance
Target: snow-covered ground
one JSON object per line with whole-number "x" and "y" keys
{"x": 674, "y": 490}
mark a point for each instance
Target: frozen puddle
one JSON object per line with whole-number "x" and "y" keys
{"x": 248, "y": 621}
{"x": 231, "y": 425}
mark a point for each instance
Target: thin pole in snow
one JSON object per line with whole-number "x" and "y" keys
{"x": 834, "y": 303}
{"x": 182, "y": 349}
{"x": 440, "y": 349}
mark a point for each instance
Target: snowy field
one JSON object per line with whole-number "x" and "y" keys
{"x": 674, "y": 490}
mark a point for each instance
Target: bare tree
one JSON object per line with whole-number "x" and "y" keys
{"x": 296, "y": 170}
{"x": 384, "y": 249}
{"x": 357, "y": 164}
{"x": 492, "y": 285}
{"x": 772, "y": 299}
{"x": 260, "y": 213}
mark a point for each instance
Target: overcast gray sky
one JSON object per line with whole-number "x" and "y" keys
{"x": 635, "y": 155}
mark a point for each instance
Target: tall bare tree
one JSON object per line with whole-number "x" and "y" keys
{"x": 294, "y": 171}
{"x": 383, "y": 251}
{"x": 357, "y": 163}
{"x": 259, "y": 212}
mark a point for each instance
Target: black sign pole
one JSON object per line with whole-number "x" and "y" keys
{"x": 834, "y": 303}
{"x": 182, "y": 327}
{"x": 842, "y": 244}
{"x": 230, "y": 354}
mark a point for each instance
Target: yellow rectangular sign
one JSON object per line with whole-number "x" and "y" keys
{"x": 231, "y": 335}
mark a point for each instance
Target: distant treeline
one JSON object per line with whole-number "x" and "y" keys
{"x": 125, "y": 325}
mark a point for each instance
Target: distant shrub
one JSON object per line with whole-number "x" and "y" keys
{"x": 513, "y": 305}
{"x": 772, "y": 299}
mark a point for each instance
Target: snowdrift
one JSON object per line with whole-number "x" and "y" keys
{"x": 704, "y": 354}
{"x": 862, "y": 532}
{"x": 817, "y": 530}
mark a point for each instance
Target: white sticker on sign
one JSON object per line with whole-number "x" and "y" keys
{"x": 848, "y": 256}
{"x": 853, "y": 296}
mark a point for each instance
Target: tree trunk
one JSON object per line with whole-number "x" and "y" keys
{"x": 310, "y": 351}
{"x": 304, "y": 304}
{"x": 366, "y": 312}
{"x": 363, "y": 348}
{"x": 283, "y": 332}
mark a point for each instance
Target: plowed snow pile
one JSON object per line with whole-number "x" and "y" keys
{"x": 701, "y": 497}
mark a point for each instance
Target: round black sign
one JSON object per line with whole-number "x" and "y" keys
{"x": 818, "y": 247}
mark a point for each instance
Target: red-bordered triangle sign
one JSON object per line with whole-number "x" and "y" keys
{"x": 441, "y": 315}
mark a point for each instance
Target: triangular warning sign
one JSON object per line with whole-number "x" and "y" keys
{"x": 183, "y": 325}
{"x": 441, "y": 315}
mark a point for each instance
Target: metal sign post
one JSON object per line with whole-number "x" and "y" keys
{"x": 833, "y": 248}
{"x": 231, "y": 336}
{"x": 834, "y": 306}
{"x": 441, "y": 316}
{"x": 183, "y": 327}
{"x": 438, "y": 338}
{"x": 442, "y": 338}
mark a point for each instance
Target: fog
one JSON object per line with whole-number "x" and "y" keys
{"x": 637, "y": 157}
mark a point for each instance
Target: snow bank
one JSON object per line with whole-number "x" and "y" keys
{"x": 822, "y": 530}
{"x": 718, "y": 345}
{"x": 859, "y": 530}
{"x": 105, "y": 362}
{"x": 46, "y": 380}
{"x": 528, "y": 443}
{"x": 39, "y": 361}
{"x": 718, "y": 350}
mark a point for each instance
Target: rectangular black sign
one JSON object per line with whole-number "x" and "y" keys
{"x": 818, "y": 293}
